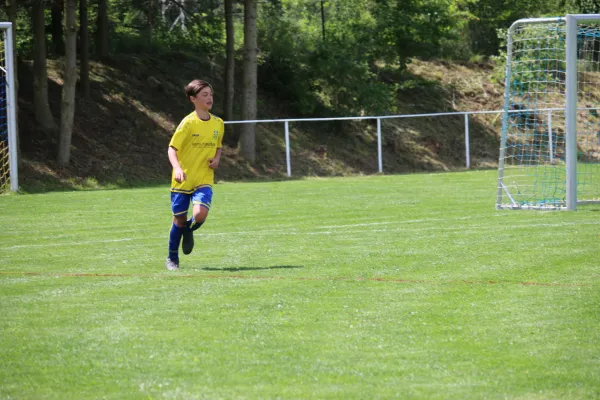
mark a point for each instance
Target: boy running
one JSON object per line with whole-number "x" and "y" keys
{"x": 194, "y": 153}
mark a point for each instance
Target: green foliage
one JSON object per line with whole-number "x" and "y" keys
{"x": 139, "y": 28}
{"x": 331, "y": 74}
{"x": 128, "y": 40}
{"x": 416, "y": 28}
{"x": 499, "y": 59}
{"x": 332, "y": 60}
{"x": 284, "y": 68}
{"x": 491, "y": 15}
{"x": 348, "y": 81}
{"x": 583, "y": 6}
{"x": 326, "y": 58}
{"x": 24, "y": 37}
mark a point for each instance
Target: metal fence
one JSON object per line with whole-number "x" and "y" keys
{"x": 286, "y": 123}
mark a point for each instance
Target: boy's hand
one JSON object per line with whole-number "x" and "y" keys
{"x": 179, "y": 175}
{"x": 213, "y": 162}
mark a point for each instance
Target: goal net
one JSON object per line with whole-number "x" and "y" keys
{"x": 8, "y": 145}
{"x": 550, "y": 143}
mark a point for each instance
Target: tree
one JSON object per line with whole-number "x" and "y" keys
{"x": 102, "y": 30}
{"x": 43, "y": 115}
{"x": 229, "y": 72}
{"x": 331, "y": 76}
{"x": 70, "y": 80}
{"x": 56, "y": 29}
{"x": 151, "y": 13}
{"x": 248, "y": 131}
{"x": 175, "y": 13}
{"x": 491, "y": 15}
{"x": 84, "y": 68}
{"x": 415, "y": 28}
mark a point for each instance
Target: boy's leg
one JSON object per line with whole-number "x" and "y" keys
{"x": 180, "y": 203}
{"x": 202, "y": 200}
{"x": 174, "y": 240}
{"x": 199, "y": 214}
{"x": 187, "y": 245}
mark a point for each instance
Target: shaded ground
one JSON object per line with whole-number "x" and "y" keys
{"x": 121, "y": 134}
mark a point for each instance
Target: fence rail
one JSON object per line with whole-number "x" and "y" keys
{"x": 466, "y": 115}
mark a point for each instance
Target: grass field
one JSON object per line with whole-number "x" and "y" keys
{"x": 349, "y": 288}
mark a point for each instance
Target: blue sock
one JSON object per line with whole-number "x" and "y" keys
{"x": 193, "y": 225}
{"x": 174, "y": 240}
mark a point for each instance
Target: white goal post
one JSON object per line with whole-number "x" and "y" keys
{"x": 8, "y": 130}
{"x": 550, "y": 142}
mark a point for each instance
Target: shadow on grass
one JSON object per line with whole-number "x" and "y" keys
{"x": 238, "y": 269}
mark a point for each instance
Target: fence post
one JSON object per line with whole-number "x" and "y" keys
{"x": 467, "y": 149}
{"x": 379, "y": 151}
{"x": 287, "y": 148}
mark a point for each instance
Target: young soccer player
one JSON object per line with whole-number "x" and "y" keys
{"x": 194, "y": 153}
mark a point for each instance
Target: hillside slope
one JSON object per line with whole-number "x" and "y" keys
{"x": 121, "y": 134}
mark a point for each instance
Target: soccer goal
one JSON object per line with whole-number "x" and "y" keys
{"x": 550, "y": 142}
{"x": 8, "y": 132}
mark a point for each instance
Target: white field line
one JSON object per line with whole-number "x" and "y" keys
{"x": 266, "y": 232}
{"x": 322, "y": 230}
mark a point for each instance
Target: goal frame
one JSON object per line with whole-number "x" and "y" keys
{"x": 11, "y": 102}
{"x": 571, "y": 86}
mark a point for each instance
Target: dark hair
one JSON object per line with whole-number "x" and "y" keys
{"x": 195, "y": 86}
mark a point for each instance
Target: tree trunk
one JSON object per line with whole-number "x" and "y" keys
{"x": 152, "y": 17}
{"x": 248, "y": 131}
{"x": 56, "y": 30}
{"x": 230, "y": 138}
{"x": 43, "y": 115}
{"x": 11, "y": 8}
{"x": 68, "y": 93}
{"x": 102, "y": 30}
{"x": 84, "y": 59}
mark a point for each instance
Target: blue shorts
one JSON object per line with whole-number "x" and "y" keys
{"x": 180, "y": 202}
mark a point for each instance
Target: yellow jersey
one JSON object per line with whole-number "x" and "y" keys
{"x": 196, "y": 141}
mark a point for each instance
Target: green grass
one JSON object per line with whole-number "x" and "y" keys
{"x": 351, "y": 288}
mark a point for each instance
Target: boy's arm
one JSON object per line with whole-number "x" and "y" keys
{"x": 214, "y": 162}
{"x": 178, "y": 173}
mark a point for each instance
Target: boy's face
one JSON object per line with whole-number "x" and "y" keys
{"x": 203, "y": 99}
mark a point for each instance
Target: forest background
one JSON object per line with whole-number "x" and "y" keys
{"x": 100, "y": 83}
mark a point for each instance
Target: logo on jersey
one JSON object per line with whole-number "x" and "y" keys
{"x": 204, "y": 145}
{"x": 215, "y": 134}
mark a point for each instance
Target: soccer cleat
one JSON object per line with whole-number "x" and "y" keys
{"x": 187, "y": 244}
{"x": 172, "y": 265}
